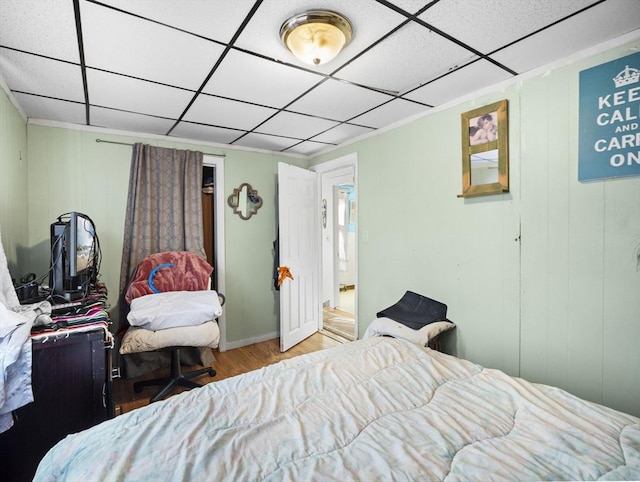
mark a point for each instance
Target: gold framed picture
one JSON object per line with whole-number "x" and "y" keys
{"x": 485, "y": 150}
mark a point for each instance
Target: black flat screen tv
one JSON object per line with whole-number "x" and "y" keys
{"x": 74, "y": 257}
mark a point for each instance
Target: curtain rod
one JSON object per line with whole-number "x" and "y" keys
{"x": 127, "y": 144}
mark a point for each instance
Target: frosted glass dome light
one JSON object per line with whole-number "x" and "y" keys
{"x": 316, "y": 36}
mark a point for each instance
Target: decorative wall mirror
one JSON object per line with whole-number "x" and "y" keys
{"x": 245, "y": 201}
{"x": 485, "y": 150}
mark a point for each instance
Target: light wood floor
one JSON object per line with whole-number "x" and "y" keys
{"x": 339, "y": 322}
{"x": 228, "y": 364}
{"x": 341, "y": 319}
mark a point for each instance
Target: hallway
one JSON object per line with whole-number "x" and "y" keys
{"x": 341, "y": 320}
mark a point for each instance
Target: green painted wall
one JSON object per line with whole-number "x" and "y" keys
{"x": 562, "y": 306}
{"x": 70, "y": 171}
{"x": 13, "y": 187}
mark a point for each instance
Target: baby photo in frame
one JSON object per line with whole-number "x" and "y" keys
{"x": 485, "y": 154}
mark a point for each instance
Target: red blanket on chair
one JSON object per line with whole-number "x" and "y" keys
{"x": 189, "y": 272}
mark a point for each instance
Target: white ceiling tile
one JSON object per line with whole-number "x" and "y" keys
{"x": 39, "y": 75}
{"x": 586, "y": 29}
{"x": 199, "y": 132}
{"x": 412, "y": 55}
{"x": 212, "y": 19}
{"x": 121, "y": 43}
{"x": 370, "y": 20}
{"x": 295, "y": 125}
{"x": 489, "y": 24}
{"x": 128, "y": 121}
{"x": 337, "y": 100}
{"x": 463, "y": 81}
{"x": 253, "y": 79}
{"x": 263, "y": 141}
{"x": 228, "y": 113}
{"x": 389, "y": 113}
{"x": 116, "y": 91}
{"x": 411, "y": 6}
{"x": 307, "y": 148}
{"x": 46, "y": 28}
{"x": 50, "y": 109}
{"x": 341, "y": 133}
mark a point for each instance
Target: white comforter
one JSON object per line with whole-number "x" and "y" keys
{"x": 375, "y": 409}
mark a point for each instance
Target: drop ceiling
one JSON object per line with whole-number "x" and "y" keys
{"x": 215, "y": 71}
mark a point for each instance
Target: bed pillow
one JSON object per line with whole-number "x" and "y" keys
{"x": 138, "y": 340}
{"x": 174, "y": 308}
{"x": 388, "y": 327}
{"x": 415, "y": 311}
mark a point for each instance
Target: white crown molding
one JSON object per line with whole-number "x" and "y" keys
{"x": 12, "y": 99}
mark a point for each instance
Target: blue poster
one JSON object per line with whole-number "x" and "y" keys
{"x": 609, "y": 139}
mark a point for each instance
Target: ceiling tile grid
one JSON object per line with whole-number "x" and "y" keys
{"x": 267, "y": 142}
{"x": 33, "y": 74}
{"x": 206, "y": 133}
{"x": 389, "y": 113}
{"x": 338, "y": 100}
{"x": 134, "y": 95}
{"x": 488, "y": 25}
{"x": 216, "y": 20}
{"x": 128, "y": 121}
{"x": 341, "y": 133}
{"x": 128, "y": 45}
{"x": 598, "y": 24}
{"x": 216, "y": 71}
{"x": 52, "y": 109}
{"x": 217, "y": 111}
{"x": 431, "y": 56}
{"x": 261, "y": 81}
{"x": 458, "y": 83}
{"x": 295, "y": 125}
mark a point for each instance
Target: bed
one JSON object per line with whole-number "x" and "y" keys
{"x": 375, "y": 409}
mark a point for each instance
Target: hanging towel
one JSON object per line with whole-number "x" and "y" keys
{"x": 15, "y": 348}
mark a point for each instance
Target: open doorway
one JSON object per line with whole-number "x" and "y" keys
{"x": 339, "y": 316}
{"x": 339, "y": 246}
{"x": 213, "y": 228}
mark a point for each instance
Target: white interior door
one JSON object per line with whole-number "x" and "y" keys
{"x": 299, "y": 250}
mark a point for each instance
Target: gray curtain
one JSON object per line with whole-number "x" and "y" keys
{"x": 164, "y": 213}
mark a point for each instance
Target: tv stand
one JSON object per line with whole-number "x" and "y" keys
{"x": 72, "y": 391}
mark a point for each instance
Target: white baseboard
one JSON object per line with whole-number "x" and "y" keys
{"x": 250, "y": 341}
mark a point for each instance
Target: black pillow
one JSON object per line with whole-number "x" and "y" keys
{"x": 415, "y": 311}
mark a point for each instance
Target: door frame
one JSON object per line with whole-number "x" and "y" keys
{"x": 217, "y": 162}
{"x": 349, "y": 160}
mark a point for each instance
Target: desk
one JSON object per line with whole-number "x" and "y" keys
{"x": 72, "y": 390}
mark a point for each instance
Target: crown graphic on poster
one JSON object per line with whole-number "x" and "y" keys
{"x": 628, "y": 76}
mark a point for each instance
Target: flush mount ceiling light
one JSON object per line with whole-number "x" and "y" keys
{"x": 316, "y": 36}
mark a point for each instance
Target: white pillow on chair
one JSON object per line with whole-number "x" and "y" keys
{"x": 172, "y": 309}
{"x": 137, "y": 340}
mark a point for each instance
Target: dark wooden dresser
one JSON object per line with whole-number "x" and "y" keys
{"x": 72, "y": 390}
